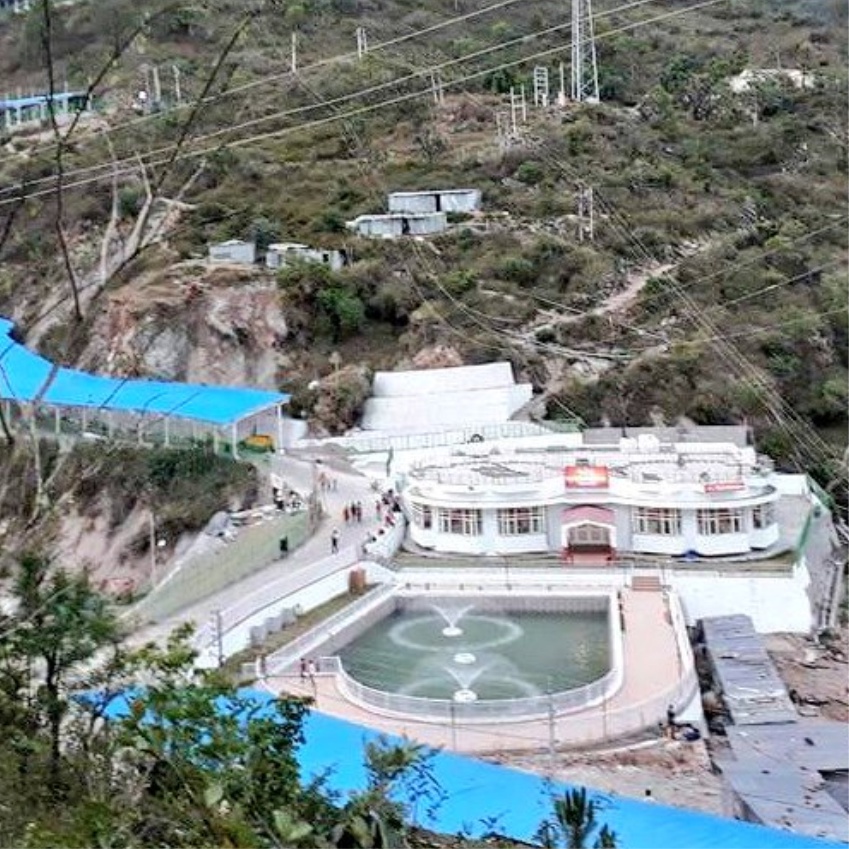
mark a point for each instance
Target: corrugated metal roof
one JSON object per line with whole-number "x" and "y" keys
{"x": 784, "y": 796}
{"x": 751, "y": 687}
{"x": 812, "y": 744}
{"x": 478, "y": 794}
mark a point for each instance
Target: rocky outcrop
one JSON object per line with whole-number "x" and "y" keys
{"x": 193, "y": 323}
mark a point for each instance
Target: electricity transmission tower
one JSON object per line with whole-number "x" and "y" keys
{"x": 586, "y": 214}
{"x": 540, "y": 86}
{"x": 584, "y": 67}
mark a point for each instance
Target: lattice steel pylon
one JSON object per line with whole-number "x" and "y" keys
{"x": 584, "y": 67}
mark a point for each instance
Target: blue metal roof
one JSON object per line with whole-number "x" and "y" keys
{"x": 482, "y": 797}
{"x": 38, "y": 99}
{"x": 23, "y": 375}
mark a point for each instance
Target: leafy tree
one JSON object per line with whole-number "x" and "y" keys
{"x": 400, "y": 779}
{"x": 574, "y": 823}
{"x": 343, "y": 308}
{"x": 60, "y": 625}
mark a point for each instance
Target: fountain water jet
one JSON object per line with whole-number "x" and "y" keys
{"x": 452, "y": 616}
{"x": 465, "y": 677}
{"x": 465, "y": 696}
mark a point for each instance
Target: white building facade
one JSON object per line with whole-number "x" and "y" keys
{"x": 397, "y": 224}
{"x": 233, "y": 251}
{"x": 436, "y": 200}
{"x": 285, "y": 253}
{"x": 703, "y": 499}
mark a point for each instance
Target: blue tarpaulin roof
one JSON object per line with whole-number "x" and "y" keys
{"x": 24, "y": 374}
{"x": 482, "y": 797}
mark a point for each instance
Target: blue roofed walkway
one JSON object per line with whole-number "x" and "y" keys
{"x": 27, "y": 377}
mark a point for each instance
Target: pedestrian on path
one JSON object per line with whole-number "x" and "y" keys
{"x": 303, "y": 669}
{"x": 359, "y": 506}
{"x": 346, "y": 514}
{"x": 311, "y": 670}
{"x": 378, "y": 509}
{"x": 334, "y": 541}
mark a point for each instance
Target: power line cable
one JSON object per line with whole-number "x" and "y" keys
{"x": 365, "y": 109}
{"x": 417, "y": 74}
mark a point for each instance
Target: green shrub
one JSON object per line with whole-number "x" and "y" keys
{"x": 530, "y": 173}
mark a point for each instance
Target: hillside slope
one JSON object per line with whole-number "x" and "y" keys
{"x": 739, "y": 199}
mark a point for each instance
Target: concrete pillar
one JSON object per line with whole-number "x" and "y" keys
{"x": 167, "y": 432}
{"x": 489, "y": 528}
{"x": 689, "y": 529}
{"x": 234, "y": 439}
{"x": 279, "y": 427}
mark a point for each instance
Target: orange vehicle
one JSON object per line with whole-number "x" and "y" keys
{"x": 260, "y": 442}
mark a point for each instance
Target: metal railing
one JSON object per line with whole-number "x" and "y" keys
{"x": 430, "y": 709}
{"x": 368, "y": 443}
{"x": 283, "y": 659}
{"x": 204, "y": 575}
{"x": 273, "y": 593}
{"x": 500, "y": 710}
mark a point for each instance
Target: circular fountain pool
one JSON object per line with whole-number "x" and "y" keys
{"x": 497, "y": 654}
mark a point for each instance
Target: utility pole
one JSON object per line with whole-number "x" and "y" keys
{"x": 552, "y": 741}
{"x": 584, "y": 66}
{"x": 501, "y": 130}
{"x": 586, "y": 214}
{"x": 218, "y": 636}
{"x": 178, "y": 94}
{"x": 362, "y": 42}
{"x": 157, "y": 89}
{"x": 436, "y": 88}
{"x": 294, "y": 65}
{"x": 517, "y": 108}
{"x": 152, "y": 545}
{"x": 561, "y": 95}
{"x": 541, "y": 86}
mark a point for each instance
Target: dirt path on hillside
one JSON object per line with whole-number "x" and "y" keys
{"x": 676, "y": 773}
{"x": 818, "y": 674}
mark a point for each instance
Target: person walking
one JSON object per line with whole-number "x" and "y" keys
{"x": 303, "y": 669}
{"x": 346, "y": 514}
{"x": 359, "y": 512}
{"x": 334, "y": 541}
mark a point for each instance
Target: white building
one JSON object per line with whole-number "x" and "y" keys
{"x": 285, "y": 253}
{"x": 439, "y": 200}
{"x": 233, "y": 251}
{"x": 436, "y": 399}
{"x": 594, "y": 500}
{"x": 397, "y": 224}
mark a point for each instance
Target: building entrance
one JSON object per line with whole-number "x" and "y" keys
{"x": 588, "y": 534}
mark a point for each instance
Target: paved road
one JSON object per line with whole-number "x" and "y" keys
{"x": 298, "y": 474}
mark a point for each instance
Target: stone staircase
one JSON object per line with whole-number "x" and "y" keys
{"x": 646, "y": 583}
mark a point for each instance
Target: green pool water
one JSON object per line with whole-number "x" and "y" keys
{"x": 497, "y": 655}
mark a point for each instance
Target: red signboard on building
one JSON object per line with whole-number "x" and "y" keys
{"x": 586, "y": 477}
{"x": 724, "y": 486}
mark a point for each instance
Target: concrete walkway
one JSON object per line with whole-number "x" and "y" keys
{"x": 652, "y": 668}
{"x": 298, "y": 475}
